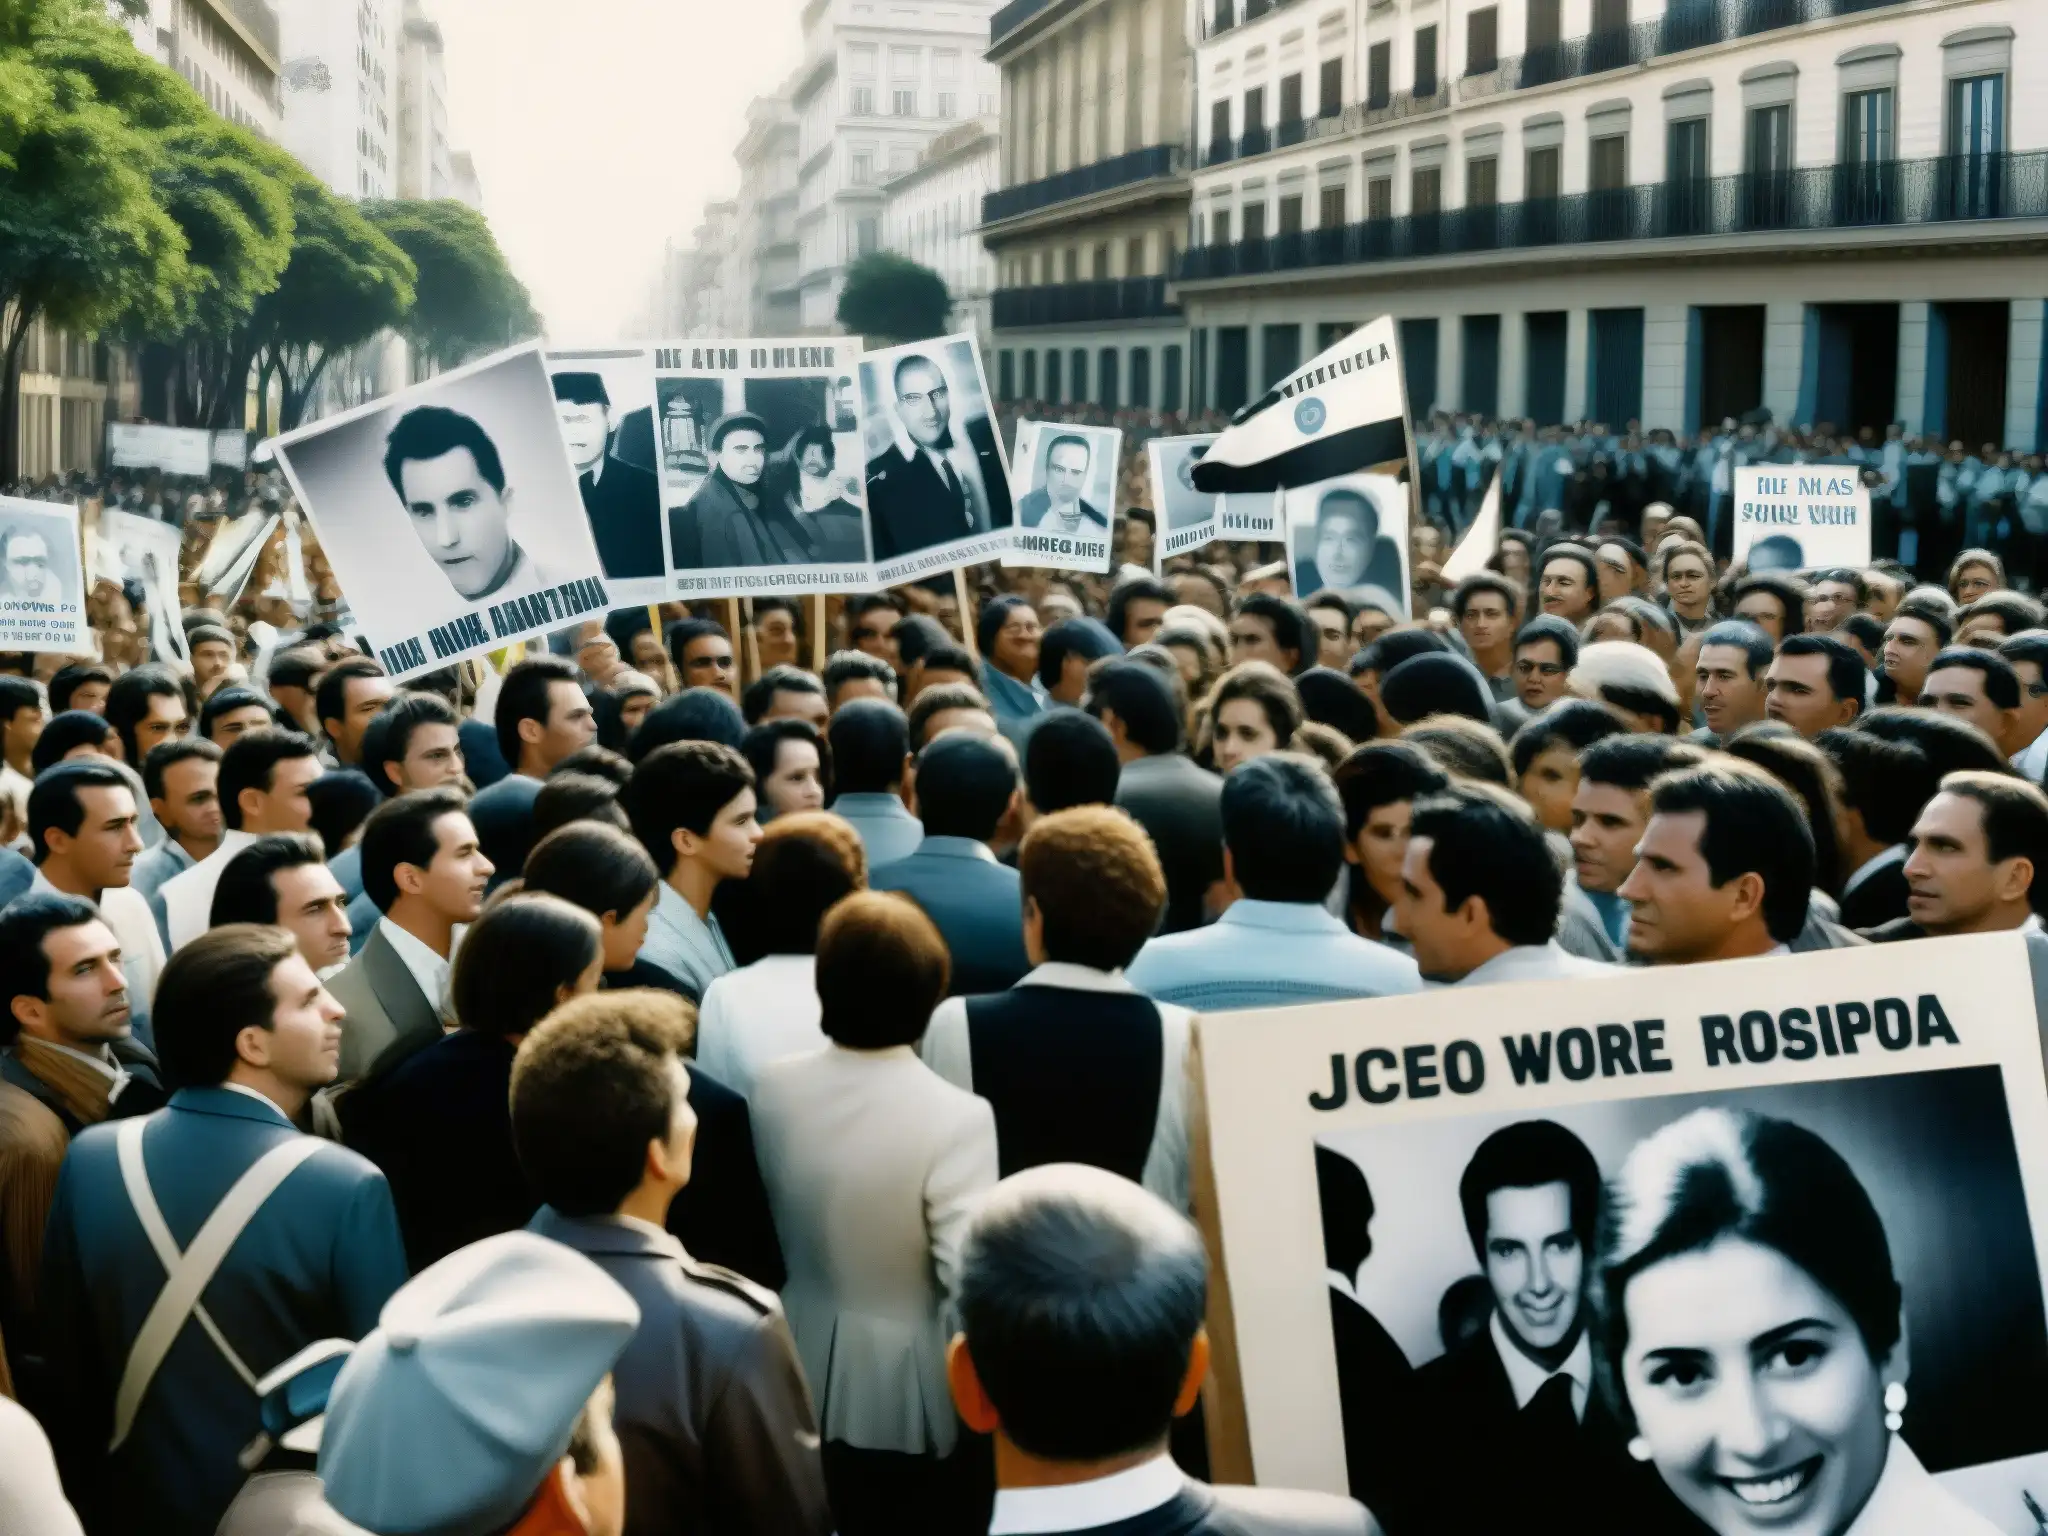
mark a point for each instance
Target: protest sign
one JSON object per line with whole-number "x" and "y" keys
{"x": 1065, "y": 495}
{"x": 604, "y": 402}
{"x": 138, "y": 549}
{"x": 1815, "y": 1294}
{"x": 231, "y": 448}
{"x": 938, "y": 486}
{"x": 450, "y": 513}
{"x": 1187, "y": 517}
{"x": 42, "y": 585}
{"x": 1480, "y": 540}
{"x": 761, "y": 447}
{"x": 1793, "y": 517}
{"x": 174, "y": 450}
{"x": 1350, "y": 535}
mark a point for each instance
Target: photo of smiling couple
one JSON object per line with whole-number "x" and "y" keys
{"x": 1804, "y": 1310}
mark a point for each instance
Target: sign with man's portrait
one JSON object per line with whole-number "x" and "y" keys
{"x": 1759, "y": 1253}
{"x": 42, "y": 592}
{"x": 761, "y": 467}
{"x": 1065, "y": 495}
{"x": 131, "y": 548}
{"x": 1794, "y": 517}
{"x": 1350, "y": 535}
{"x": 604, "y": 403}
{"x": 451, "y": 514}
{"x": 938, "y": 485}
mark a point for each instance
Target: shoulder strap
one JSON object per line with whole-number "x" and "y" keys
{"x": 187, "y": 1274}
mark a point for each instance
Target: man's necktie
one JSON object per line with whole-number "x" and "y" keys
{"x": 953, "y": 485}
{"x": 1550, "y": 1411}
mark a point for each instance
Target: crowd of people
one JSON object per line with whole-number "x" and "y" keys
{"x": 672, "y": 1085}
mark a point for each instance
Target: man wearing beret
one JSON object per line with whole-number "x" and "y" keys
{"x": 622, "y": 500}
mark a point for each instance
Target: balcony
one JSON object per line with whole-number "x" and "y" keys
{"x": 1149, "y": 164}
{"x": 1110, "y": 299}
{"x": 1223, "y": 15}
{"x": 1888, "y": 194}
{"x": 1258, "y": 141}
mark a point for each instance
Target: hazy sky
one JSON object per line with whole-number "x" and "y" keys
{"x": 600, "y": 128}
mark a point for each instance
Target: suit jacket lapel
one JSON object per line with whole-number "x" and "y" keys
{"x": 411, "y": 1011}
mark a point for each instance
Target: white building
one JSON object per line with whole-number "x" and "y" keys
{"x": 763, "y": 257}
{"x": 467, "y": 188}
{"x": 341, "y": 91}
{"x": 932, "y": 214}
{"x": 425, "y": 159}
{"x": 227, "y": 49}
{"x": 712, "y": 298}
{"x": 1632, "y": 209}
{"x": 877, "y": 84}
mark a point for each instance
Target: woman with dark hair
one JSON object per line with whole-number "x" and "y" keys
{"x": 1379, "y": 784}
{"x": 1008, "y": 632}
{"x": 1752, "y": 1330}
{"x": 1546, "y": 754}
{"x": 1330, "y": 698}
{"x": 342, "y": 801}
{"x": 608, "y": 874}
{"x": 792, "y": 765}
{"x": 622, "y": 706}
{"x": 1253, "y": 709}
{"x": 439, "y": 1124}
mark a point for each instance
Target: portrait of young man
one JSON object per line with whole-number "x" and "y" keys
{"x": 1059, "y": 504}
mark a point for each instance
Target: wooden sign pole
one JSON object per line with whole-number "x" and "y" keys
{"x": 753, "y": 667}
{"x": 1230, "y": 1444}
{"x": 967, "y": 626}
{"x": 814, "y": 617}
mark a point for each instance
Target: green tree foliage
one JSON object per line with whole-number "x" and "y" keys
{"x": 890, "y": 298}
{"x": 468, "y": 301}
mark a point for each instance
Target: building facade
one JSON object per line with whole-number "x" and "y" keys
{"x": 341, "y": 86}
{"x": 425, "y": 158}
{"x": 1091, "y": 213}
{"x": 763, "y": 263}
{"x": 1674, "y": 213}
{"x": 877, "y": 84}
{"x": 932, "y": 214}
{"x": 227, "y": 49}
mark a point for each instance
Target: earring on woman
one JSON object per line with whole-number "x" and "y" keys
{"x": 1639, "y": 1448}
{"x": 1895, "y": 1406}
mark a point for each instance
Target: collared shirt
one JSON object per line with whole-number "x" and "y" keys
{"x": 188, "y": 898}
{"x": 261, "y": 1098}
{"x": 1266, "y": 954}
{"x": 428, "y": 969}
{"x": 690, "y": 948}
{"x": 1533, "y": 962}
{"x": 2032, "y": 760}
{"x": 1088, "y": 1506}
{"x": 127, "y": 913}
{"x": 887, "y": 830}
{"x": 1526, "y": 1377}
{"x": 1896, "y": 854}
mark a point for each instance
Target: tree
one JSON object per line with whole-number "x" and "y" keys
{"x": 889, "y": 299}
{"x": 467, "y": 300}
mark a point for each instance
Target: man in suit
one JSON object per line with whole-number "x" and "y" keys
{"x": 712, "y": 1410}
{"x": 1884, "y": 785}
{"x": 1058, "y": 506}
{"x": 939, "y": 489}
{"x": 1171, "y": 796}
{"x": 263, "y": 781}
{"x": 423, "y": 868}
{"x": 1974, "y": 860}
{"x": 154, "y": 1338}
{"x": 1373, "y": 1374}
{"x": 622, "y": 500}
{"x": 1080, "y": 1301}
{"x": 966, "y": 784}
{"x": 284, "y": 881}
{"x": 181, "y": 779}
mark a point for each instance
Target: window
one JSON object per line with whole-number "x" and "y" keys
{"x": 1482, "y": 182}
{"x": 1030, "y": 375}
{"x": 1545, "y": 172}
{"x": 1219, "y": 227}
{"x": 1332, "y": 88}
{"x": 949, "y": 105}
{"x": 1290, "y": 214}
{"x": 1079, "y": 383}
{"x": 1101, "y": 261}
{"x": 1141, "y": 377}
{"x": 1106, "y": 378}
{"x": 1052, "y": 375}
{"x": 863, "y": 101}
{"x": 1545, "y": 24}
{"x": 863, "y": 171}
{"x": 1255, "y": 221}
{"x": 1290, "y": 99}
{"x": 1685, "y": 151}
{"x": 1607, "y": 167}
{"x": 1610, "y": 16}
{"x": 1379, "y": 197}
{"x": 1426, "y": 190}
{"x": 1219, "y": 122}
{"x": 1070, "y": 264}
{"x": 1331, "y": 214}
{"x": 1254, "y": 109}
{"x": 1482, "y": 41}
{"x": 860, "y": 61}
{"x": 1867, "y": 127}
{"x": 1134, "y": 257}
{"x": 903, "y": 103}
{"x": 1976, "y": 116}
{"x": 1425, "y": 61}
{"x": 1006, "y": 374}
{"x": 1770, "y": 140}
{"x": 946, "y": 64}
{"x": 1169, "y": 377}
{"x": 902, "y": 63}
{"x": 866, "y": 236}
{"x": 1379, "y": 75}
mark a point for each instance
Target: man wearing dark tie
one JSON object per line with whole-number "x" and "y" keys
{"x": 622, "y": 500}
{"x": 944, "y": 485}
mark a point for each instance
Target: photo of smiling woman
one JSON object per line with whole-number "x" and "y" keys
{"x": 1753, "y": 1328}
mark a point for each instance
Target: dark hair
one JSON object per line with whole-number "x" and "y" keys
{"x": 250, "y": 762}
{"x": 760, "y": 693}
{"x": 245, "y": 894}
{"x": 1436, "y": 684}
{"x": 1885, "y": 782}
{"x": 591, "y": 1087}
{"x": 516, "y": 958}
{"x": 1069, "y": 760}
{"x": 994, "y": 614}
{"x": 330, "y": 697}
{"x": 1509, "y": 591}
{"x": 869, "y": 738}
{"x": 1141, "y": 589}
{"x": 569, "y": 797}
{"x": 881, "y": 969}
{"x": 227, "y": 700}
{"x": 1582, "y": 557}
{"x": 596, "y": 866}
{"x": 1087, "y": 638}
{"x": 1940, "y": 620}
{"x": 695, "y": 714}
{"x": 1757, "y": 647}
{"x": 1811, "y": 775}
{"x": 389, "y": 737}
{"x": 2027, "y": 645}
{"x": 1283, "y": 826}
{"x": 1631, "y": 761}
{"x": 128, "y": 702}
{"x": 1865, "y": 627}
{"x": 1266, "y": 686}
{"x": 681, "y": 787}
{"x": 25, "y": 923}
{"x": 2015, "y": 817}
{"x": 1292, "y": 630}
{"x": 679, "y": 636}
{"x": 427, "y": 432}
{"x": 401, "y": 831}
{"x": 211, "y": 990}
{"x": 1383, "y": 773}
{"x": 943, "y": 696}
{"x": 1097, "y": 882}
{"x": 295, "y": 669}
{"x": 2015, "y": 610}
{"x": 209, "y": 634}
{"x": 1529, "y": 1155}
{"x": 341, "y": 801}
{"x": 1846, "y": 671}
{"x": 67, "y": 680}
{"x": 846, "y": 666}
{"x": 964, "y": 785}
{"x": 1950, "y": 745}
{"x": 2001, "y": 683}
{"x": 1080, "y": 1298}
{"x": 1463, "y": 748}
{"x": 1558, "y": 632}
{"x": 947, "y": 658}
{"x": 1790, "y": 594}
{"x": 180, "y": 749}
{"x": 807, "y": 863}
{"x": 1142, "y": 700}
{"x": 917, "y": 634}
{"x": 1574, "y": 723}
{"x": 763, "y": 745}
{"x": 66, "y": 733}
{"x": 1486, "y": 843}
{"x": 1846, "y": 576}
{"x": 524, "y": 696}
{"x": 1753, "y": 826}
{"x": 53, "y": 801}
{"x": 1330, "y": 698}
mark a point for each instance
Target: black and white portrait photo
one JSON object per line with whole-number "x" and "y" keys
{"x": 762, "y": 454}
{"x": 604, "y": 401}
{"x": 138, "y": 549}
{"x": 1187, "y": 517}
{"x": 1065, "y": 495}
{"x": 42, "y": 598}
{"x": 451, "y": 512}
{"x": 938, "y": 487}
{"x": 1350, "y": 535}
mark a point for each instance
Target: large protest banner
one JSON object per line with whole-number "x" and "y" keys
{"x": 1812, "y": 1299}
{"x": 1065, "y": 495}
{"x": 761, "y": 467}
{"x": 450, "y": 513}
{"x": 42, "y": 583}
{"x": 1791, "y": 517}
{"x": 174, "y": 450}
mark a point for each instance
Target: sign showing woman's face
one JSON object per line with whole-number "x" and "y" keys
{"x": 1345, "y": 532}
{"x": 1751, "y": 1385}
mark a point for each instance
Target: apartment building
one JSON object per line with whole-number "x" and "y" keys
{"x": 931, "y": 213}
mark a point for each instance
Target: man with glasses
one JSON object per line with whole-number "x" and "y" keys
{"x": 934, "y": 486}
{"x": 1546, "y": 650}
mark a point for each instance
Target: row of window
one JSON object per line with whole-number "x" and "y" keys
{"x": 1120, "y": 378}
{"x": 1074, "y": 265}
{"x": 860, "y": 102}
{"x": 904, "y": 63}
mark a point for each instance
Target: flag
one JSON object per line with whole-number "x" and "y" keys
{"x": 1476, "y": 548}
{"x": 1344, "y": 412}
